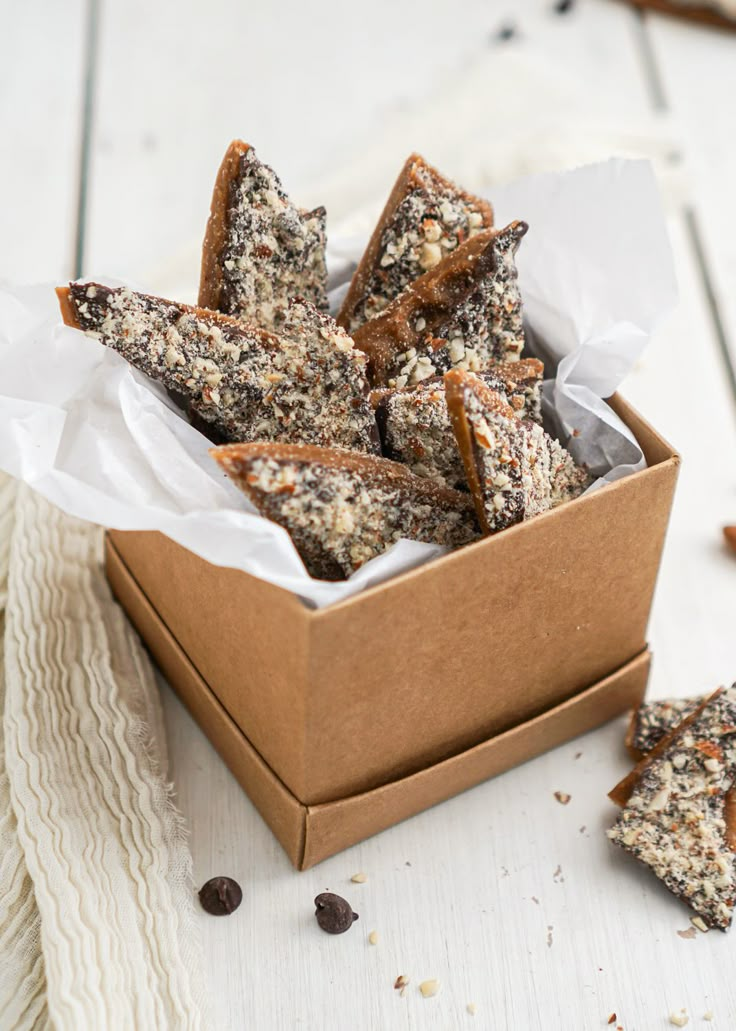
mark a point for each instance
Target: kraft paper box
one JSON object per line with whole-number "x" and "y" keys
{"x": 420, "y": 674}
{"x": 341, "y": 721}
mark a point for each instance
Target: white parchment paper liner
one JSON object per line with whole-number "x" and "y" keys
{"x": 105, "y": 444}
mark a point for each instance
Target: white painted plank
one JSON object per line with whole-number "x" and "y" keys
{"x": 565, "y": 90}
{"x": 41, "y": 71}
{"x": 335, "y": 101}
{"x": 680, "y": 385}
{"x": 698, "y": 71}
{"x": 297, "y": 82}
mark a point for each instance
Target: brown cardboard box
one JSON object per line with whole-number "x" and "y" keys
{"x": 341, "y": 721}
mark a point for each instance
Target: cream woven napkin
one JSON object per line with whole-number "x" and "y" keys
{"x": 97, "y": 923}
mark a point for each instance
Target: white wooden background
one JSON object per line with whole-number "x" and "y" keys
{"x": 113, "y": 117}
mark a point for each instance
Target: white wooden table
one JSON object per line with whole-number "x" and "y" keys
{"x": 114, "y": 114}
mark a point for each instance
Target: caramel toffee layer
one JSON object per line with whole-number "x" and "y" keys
{"x": 236, "y": 381}
{"x": 466, "y": 313}
{"x": 260, "y": 250}
{"x": 426, "y": 217}
{"x": 654, "y": 720}
{"x": 415, "y": 425}
{"x": 515, "y": 470}
{"x": 343, "y": 509}
{"x": 676, "y": 820}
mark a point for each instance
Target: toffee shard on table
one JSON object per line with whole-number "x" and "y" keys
{"x": 259, "y": 249}
{"x": 514, "y": 469}
{"x": 464, "y": 313}
{"x": 677, "y": 820}
{"x": 238, "y": 382}
{"x": 426, "y": 216}
{"x": 343, "y": 509}
{"x": 415, "y": 427}
{"x": 652, "y": 721}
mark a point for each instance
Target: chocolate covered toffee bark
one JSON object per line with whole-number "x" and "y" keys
{"x": 343, "y": 509}
{"x": 425, "y": 216}
{"x": 238, "y": 382}
{"x": 465, "y": 313}
{"x": 514, "y": 469}
{"x": 259, "y": 249}
{"x": 654, "y": 720}
{"x": 678, "y": 815}
{"x": 415, "y": 425}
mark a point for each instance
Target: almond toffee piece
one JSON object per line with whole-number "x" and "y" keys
{"x": 653, "y": 721}
{"x": 415, "y": 425}
{"x": 238, "y": 382}
{"x": 465, "y": 313}
{"x": 678, "y": 816}
{"x": 514, "y": 469}
{"x": 259, "y": 249}
{"x": 425, "y": 216}
{"x": 343, "y": 509}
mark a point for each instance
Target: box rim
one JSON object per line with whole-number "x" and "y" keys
{"x": 313, "y": 614}
{"x": 673, "y": 458}
{"x": 488, "y": 541}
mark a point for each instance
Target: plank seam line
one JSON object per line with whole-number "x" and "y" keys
{"x": 696, "y": 240}
{"x": 652, "y": 75}
{"x": 88, "y": 96}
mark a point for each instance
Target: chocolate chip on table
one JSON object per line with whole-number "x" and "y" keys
{"x": 220, "y": 896}
{"x": 334, "y": 914}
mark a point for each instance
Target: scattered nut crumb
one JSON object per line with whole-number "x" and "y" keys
{"x": 583, "y": 829}
{"x": 400, "y": 983}
{"x": 535, "y": 899}
{"x": 429, "y": 988}
{"x": 562, "y": 797}
{"x": 471, "y": 1008}
{"x": 698, "y": 922}
{"x": 708, "y": 1015}
{"x": 578, "y": 754}
{"x": 359, "y": 878}
{"x": 557, "y": 875}
{"x": 689, "y": 933}
{"x": 550, "y": 929}
{"x": 729, "y": 532}
{"x": 612, "y": 1019}
{"x": 679, "y": 1019}
{"x": 373, "y": 938}
{"x": 504, "y": 871}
